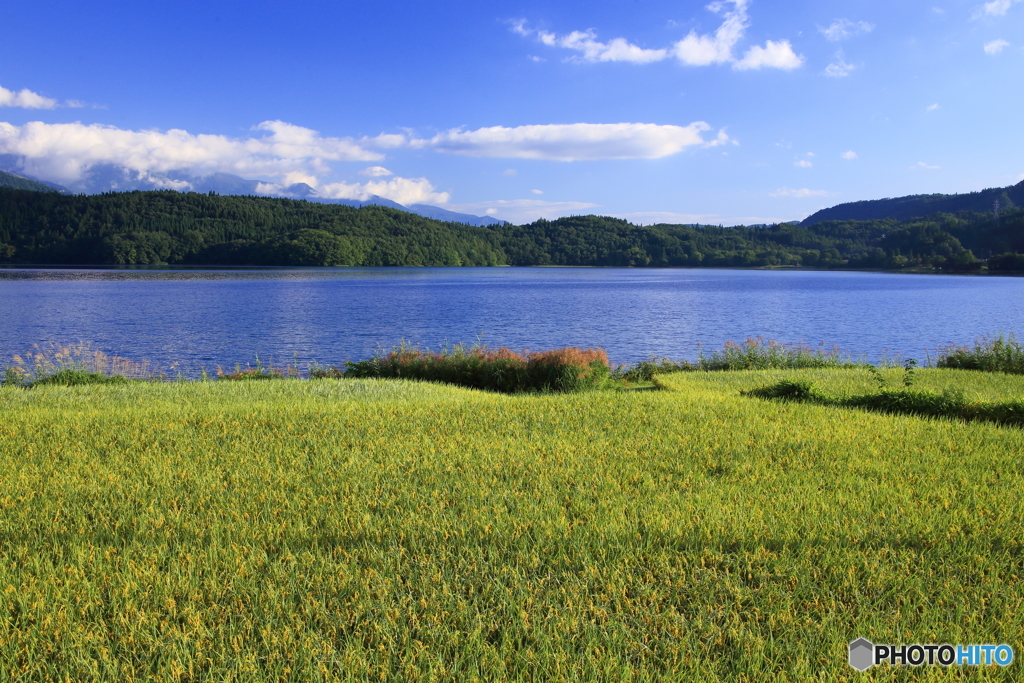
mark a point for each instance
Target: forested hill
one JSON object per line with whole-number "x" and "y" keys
{"x": 920, "y": 205}
{"x": 166, "y": 227}
{"x": 17, "y": 182}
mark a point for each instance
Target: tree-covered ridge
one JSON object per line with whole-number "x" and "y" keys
{"x": 920, "y": 205}
{"x": 207, "y": 229}
{"x": 18, "y": 182}
{"x": 190, "y": 228}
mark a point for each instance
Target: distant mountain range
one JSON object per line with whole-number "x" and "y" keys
{"x": 111, "y": 178}
{"x": 918, "y": 205}
{"x": 108, "y": 178}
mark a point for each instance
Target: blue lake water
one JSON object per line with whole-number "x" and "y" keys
{"x": 207, "y": 317}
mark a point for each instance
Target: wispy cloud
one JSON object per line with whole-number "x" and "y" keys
{"x": 803, "y": 163}
{"x": 802, "y": 193}
{"x": 996, "y": 8}
{"x": 922, "y": 164}
{"x": 521, "y": 211}
{"x": 849, "y": 155}
{"x": 843, "y": 29}
{"x": 995, "y": 47}
{"x": 694, "y": 50}
{"x": 572, "y": 142}
{"x": 65, "y": 152}
{"x": 25, "y": 99}
{"x": 933, "y": 107}
{"x": 839, "y": 68}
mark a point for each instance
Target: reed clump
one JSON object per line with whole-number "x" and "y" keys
{"x": 1002, "y": 353}
{"x": 565, "y": 370}
{"x": 74, "y": 364}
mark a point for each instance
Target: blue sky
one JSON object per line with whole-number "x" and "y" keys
{"x": 729, "y": 112}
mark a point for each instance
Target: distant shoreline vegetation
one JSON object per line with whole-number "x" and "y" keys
{"x": 171, "y": 228}
{"x": 503, "y": 370}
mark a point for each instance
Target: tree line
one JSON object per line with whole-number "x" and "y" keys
{"x": 167, "y": 227}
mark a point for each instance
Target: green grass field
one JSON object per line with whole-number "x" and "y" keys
{"x": 301, "y": 530}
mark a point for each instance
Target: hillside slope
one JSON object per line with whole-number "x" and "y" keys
{"x": 919, "y": 205}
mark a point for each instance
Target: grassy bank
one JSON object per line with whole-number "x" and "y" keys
{"x": 389, "y": 530}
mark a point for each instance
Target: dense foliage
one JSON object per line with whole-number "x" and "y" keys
{"x": 187, "y": 228}
{"x": 557, "y": 371}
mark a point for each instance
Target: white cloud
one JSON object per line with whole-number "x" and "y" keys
{"x": 922, "y": 164}
{"x": 65, "y": 152}
{"x": 570, "y": 142}
{"x": 701, "y": 50}
{"x": 510, "y": 172}
{"x": 537, "y": 191}
{"x": 802, "y": 163}
{"x": 618, "y": 50}
{"x": 775, "y": 55}
{"x": 996, "y": 8}
{"x": 402, "y": 190}
{"x": 521, "y": 211}
{"x": 849, "y": 155}
{"x": 375, "y": 171}
{"x": 26, "y": 99}
{"x": 839, "y": 68}
{"x": 668, "y": 217}
{"x": 693, "y": 50}
{"x": 933, "y": 107}
{"x": 995, "y": 47}
{"x": 802, "y": 193}
{"x": 842, "y": 29}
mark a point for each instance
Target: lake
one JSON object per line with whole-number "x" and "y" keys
{"x": 209, "y": 317}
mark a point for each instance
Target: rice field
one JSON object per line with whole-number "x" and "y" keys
{"x": 382, "y": 530}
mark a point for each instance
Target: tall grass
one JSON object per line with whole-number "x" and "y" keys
{"x": 78, "y": 363}
{"x": 479, "y": 367}
{"x": 1002, "y": 353}
{"x": 754, "y": 354}
{"x": 950, "y": 403}
{"x": 398, "y": 531}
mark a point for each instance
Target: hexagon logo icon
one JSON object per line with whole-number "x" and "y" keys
{"x": 862, "y": 654}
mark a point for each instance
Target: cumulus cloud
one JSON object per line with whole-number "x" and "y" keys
{"x": 849, "y": 155}
{"x": 842, "y": 29}
{"x": 803, "y": 163}
{"x": 375, "y": 171}
{"x": 774, "y": 55}
{"x": 402, "y": 190}
{"x": 839, "y": 68}
{"x": 716, "y": 48}
{"x": 570, "y": 142}
{"x": 995, "y": 47}
{"x": 65, "y": 152}
{"x": 798, "y": 194}
{"x": 26, "y": 99}
{"x": 694, "y": 50}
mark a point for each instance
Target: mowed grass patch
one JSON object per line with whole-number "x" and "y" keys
{"x": 368, "y": 530}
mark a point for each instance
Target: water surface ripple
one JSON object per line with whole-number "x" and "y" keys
{"x": 210, "y": 317}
